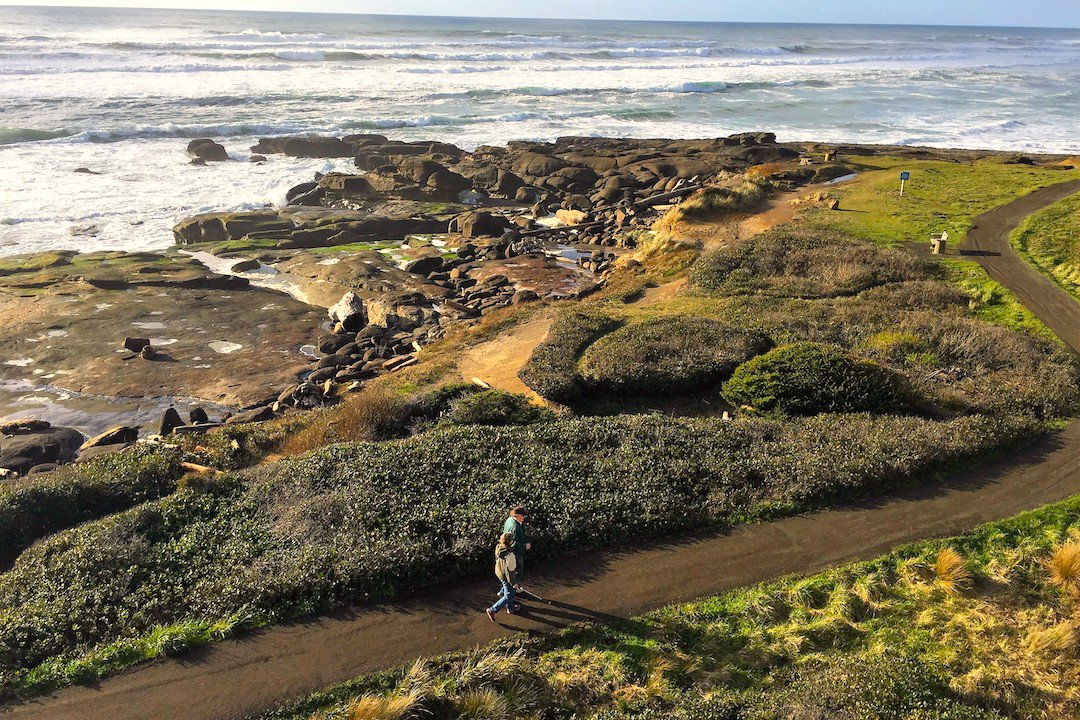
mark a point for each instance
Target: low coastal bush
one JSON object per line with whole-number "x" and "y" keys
{"x": 370, "y": 520}
{"x": 810, "y": 378}
{"x": 40, "y": 505}
{"x": 495, "y": 407}
{"x": 552, "y": 369}
{"x": 667, "y": 355}
{"x": 790, "y": 263}
{"x": 875, "y": 640}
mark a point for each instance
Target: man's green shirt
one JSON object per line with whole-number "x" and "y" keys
{"x": 518, "y": 529}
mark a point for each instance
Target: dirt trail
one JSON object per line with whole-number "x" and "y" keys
{"x": 988, "y": 243}
{"x": 238, "y": 678}
{"x": 497, "y": 361}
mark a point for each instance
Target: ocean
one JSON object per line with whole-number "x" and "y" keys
{"x": 120, "y": 92}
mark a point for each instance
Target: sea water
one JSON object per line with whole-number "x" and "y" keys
{"x": 120, "y": 92}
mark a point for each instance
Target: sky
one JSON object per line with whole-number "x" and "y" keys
{"x": 1044, "y": 13}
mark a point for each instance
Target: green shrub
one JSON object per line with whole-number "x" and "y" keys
{"x": 866, "y": 686}
{"x": 810, "y": 378}
{"x": 369, "y": 520}
{"x": 552, "y": 369}
{"x": 673, "y": 354}
{"x": 797, "y": 264}
{"x": 495, "y": 407}
{"x": 40, "y": 505}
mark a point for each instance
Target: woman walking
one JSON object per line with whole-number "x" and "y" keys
{"x": 506, "y": 572}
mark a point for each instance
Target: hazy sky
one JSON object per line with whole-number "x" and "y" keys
{"x": 1052, "y": 13}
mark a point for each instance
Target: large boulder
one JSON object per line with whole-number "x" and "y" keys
{"x": 207, "y": 150}
{"x": 349, "y": 311}
{"x": 403, "y": 311}
{"x": 480, "y": 224}
{"x": 28, "y": 443}
{"x": 536, "y": 165}
{"x": 119, "y": 435}
{"x": 259, "y": 414}
{"x": 312, "y": 146}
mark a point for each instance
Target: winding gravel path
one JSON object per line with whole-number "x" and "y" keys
{"x": 238, "y": 678}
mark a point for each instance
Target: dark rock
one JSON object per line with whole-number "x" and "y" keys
{"x": 259, "y": 414}
{"x": 197, "y": 416}
{"x": 97, "y": 451}
{"x": 17, "y": 464}
{"x": 44, "y": 445}
{"x": 148, "y": 353}
{"x": 523, "y": 296}
{"x": 42, "y": 468}
{"x": 257, "y": 158}
{"x": 246, "y": 265}
{"x": 86, "y": 171}
{"x": 323, "y": 374}
{"x": 425, "y": 265}
{"x": 170, "y": 420}
{"x": 330, "y": 344}
{"x": 136, "y": 345}
{"x": 207, "y": 150}
{"x": 479, "y": 224}
{"x": 313, "y": 146}
{"x": 119, "y": 435}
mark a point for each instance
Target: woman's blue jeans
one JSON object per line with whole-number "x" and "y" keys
{"x": 506, "y": 597}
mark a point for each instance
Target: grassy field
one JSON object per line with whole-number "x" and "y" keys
{"x": 976, "y": 627}
{"x": 1050, "y": 240}
{"x": 941, "y": 196}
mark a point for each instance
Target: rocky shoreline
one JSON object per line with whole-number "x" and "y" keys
{"x": 283, "y": 309}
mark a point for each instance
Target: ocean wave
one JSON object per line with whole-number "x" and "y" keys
{"x": 11, "y": 136}
{"x": 270, "y": 35}
{"x": 177, "y": 68}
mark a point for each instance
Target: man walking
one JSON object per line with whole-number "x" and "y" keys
{"x": 515, "y": 525}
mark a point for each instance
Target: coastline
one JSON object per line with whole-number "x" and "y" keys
{"x": 422, "y": 237}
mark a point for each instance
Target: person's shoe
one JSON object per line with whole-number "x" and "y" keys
{"x": 513, "y": 609}
{"x": 491, "y": 615}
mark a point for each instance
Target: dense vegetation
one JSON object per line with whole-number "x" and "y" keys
{"x": 807, "y": 378}
{"x": 552, "y": 369}
{"x": 803, "y": 265}
{"x": 872, "y": 303}
{"x": 667, "y": 355}
{"x": 40, "y": 505}
{"x": 1050, "y": 240}
{"x": 978, "y": 627}
{"x": 366, "y": 521}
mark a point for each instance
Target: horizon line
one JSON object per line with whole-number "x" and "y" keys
{"x": 550, "y": 19}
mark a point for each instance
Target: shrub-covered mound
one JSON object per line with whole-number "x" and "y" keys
{"x": 978, "y": 627}
{"x": 810, "y": 378}
{"x": 552, "y": 368}
{"x": 39, "y": 505}
{"x": 495, "y": 407}
{"x": 803, "y": 265}
{"x": 673, "y": 354}
{"x": 368, "y": 520}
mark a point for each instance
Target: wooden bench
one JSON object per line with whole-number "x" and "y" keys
{"x": 938, "y": 242}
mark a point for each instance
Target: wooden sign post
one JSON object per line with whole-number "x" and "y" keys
{"x": 904, "y": 177}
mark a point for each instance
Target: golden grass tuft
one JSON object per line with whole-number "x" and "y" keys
{"x": 1064, "y": 566}
{"x": 375, "y": 707}
{"x": 482, "y": 704}
{"x": 1053, "y": 640}
{"x": 951, "y": 571}
{"x": 373, "y": 414}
